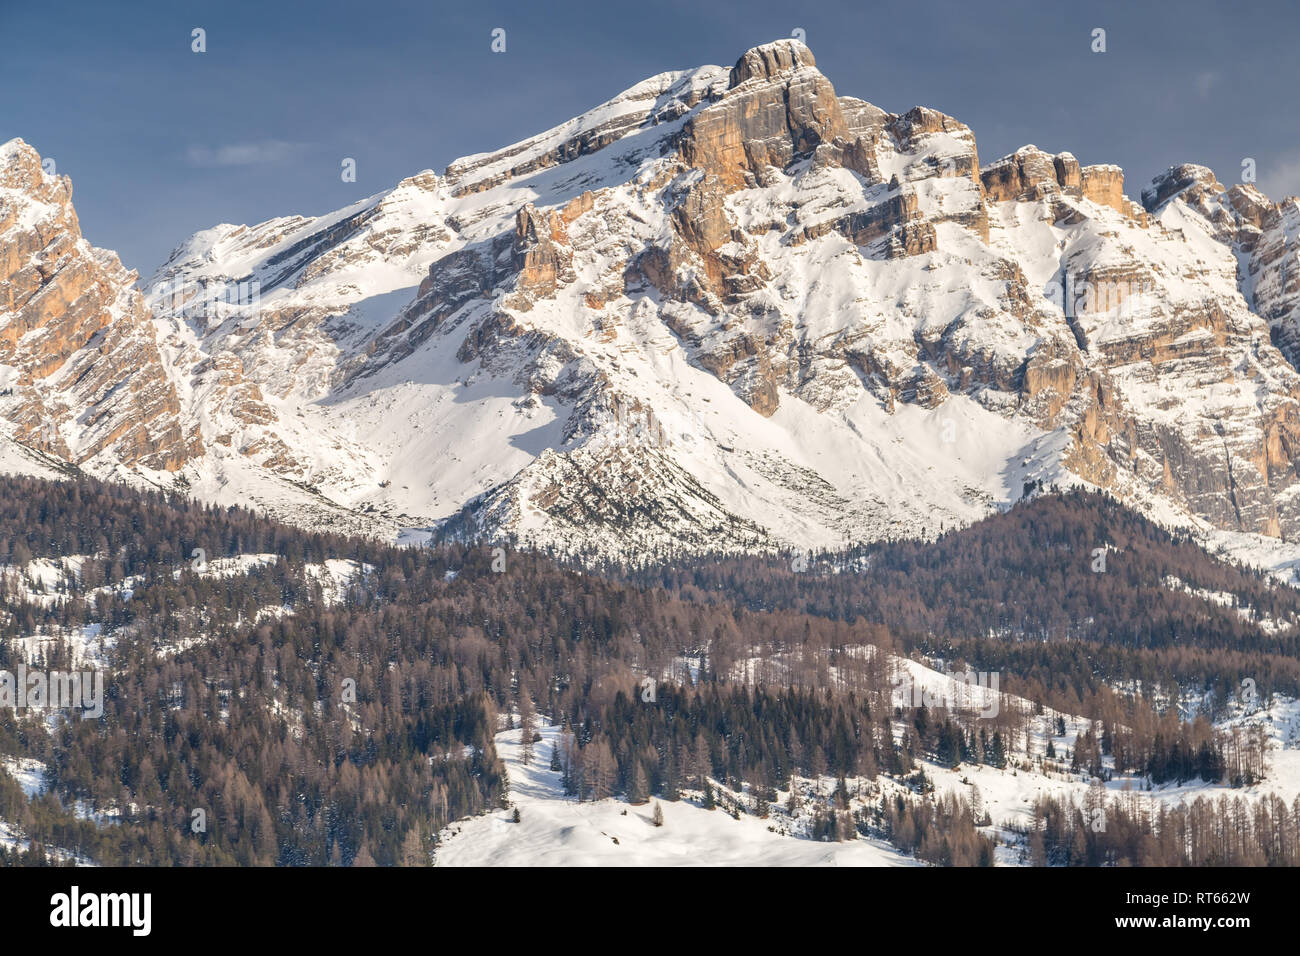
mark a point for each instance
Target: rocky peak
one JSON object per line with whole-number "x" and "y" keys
{"x": 1027, "y": 174}
{"x": 1030, "y": 174}
{"x": 20, "y": 169}
{"x": 737, "y": 270}
{"x": 771, "y": 60}
{"x": 1178, "y": 179}
{"x": 777, "y": 106}
{"x": 659, "y": 99}
{"x": 540, "y": 253}
{"x": 1250, "y": 204}
{"x": 1068, "y": 173}
{"x": 908, "y": 127}
{"x": 88, "y": 384}
{"x": 1104, "y": 185}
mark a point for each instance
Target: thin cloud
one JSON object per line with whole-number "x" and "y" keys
{"x": 1205, "y": 82}
{"x": 1279, "y": 180}
{"x": 244, "y": 154}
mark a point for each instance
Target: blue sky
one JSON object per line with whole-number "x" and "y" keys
{"x": 160, "y": 141}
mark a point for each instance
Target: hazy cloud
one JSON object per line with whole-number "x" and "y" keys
{"x": 1204, "y": 83}
{"x": 244, "y": 154}
{"x": 1281, "y": 179}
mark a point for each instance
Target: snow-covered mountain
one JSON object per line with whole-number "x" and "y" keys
{"x": 726, "y": 309}
{"x": 81, "y": 377}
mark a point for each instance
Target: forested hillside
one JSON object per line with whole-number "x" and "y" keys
{"x": 1065, "y": 593}
{"x": 331, "y": 700}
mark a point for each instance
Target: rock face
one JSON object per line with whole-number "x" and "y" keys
{"x": 776, "y": 106}
{"x": 1030, "y": 174}
{"x": 730, "y": 308}
{"x": 83, "y": 379}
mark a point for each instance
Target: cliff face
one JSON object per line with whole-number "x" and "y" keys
{"x": 730, "y": 307}
{"x": 83, "y": 378}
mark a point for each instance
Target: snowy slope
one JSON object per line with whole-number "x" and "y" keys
{"x": 557, "y": 831}
{"x": 735, "y": 309}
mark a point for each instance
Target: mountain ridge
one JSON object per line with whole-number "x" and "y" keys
{"x": 733, "y": 307}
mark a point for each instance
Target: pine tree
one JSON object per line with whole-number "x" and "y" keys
{"x": 657, "y": 818}
{"x": 669, "y": 788}
{"x": 1078, "y": 848}
{"x": 637, "y": 792}
{"x": 364, "y": 857}
{"x": 527, "y": 720}
{"x": 1037, "y": 849}
{"x": 413, "y": 852}
{"x": 598, "y": 761}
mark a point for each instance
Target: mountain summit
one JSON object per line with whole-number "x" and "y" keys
{"x": 729, "y": 308}
{"x": 81, "y": 377}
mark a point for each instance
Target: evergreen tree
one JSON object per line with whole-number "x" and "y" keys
{"x": 637, "y": 791}
{"x": 999, "y": 758}
{"x": 527, "y": 729}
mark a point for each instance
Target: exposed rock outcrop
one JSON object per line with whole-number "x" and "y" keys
{"x": 86, "y": 381}
{"x": 728, "y": 308}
